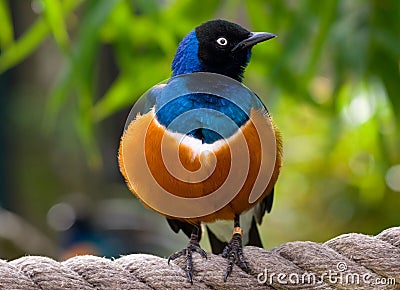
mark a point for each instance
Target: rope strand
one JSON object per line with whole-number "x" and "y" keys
{"x": 350, "y": 261}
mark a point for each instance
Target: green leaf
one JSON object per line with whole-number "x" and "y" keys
{"x": 81, "y": 64}
{"x": 26, "y": 45}
{"x": 329, "y": 11}
{"x": 54, "y": 16}
{"x": 6, "y": 26}
{"x": 78, "y": 77}
{"x": 126, "y": 90}
{"x": 30, "y": 40}
{"x": 85, "y": 127}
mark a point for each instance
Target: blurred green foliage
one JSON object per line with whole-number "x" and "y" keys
{"x": 330, "y": 80}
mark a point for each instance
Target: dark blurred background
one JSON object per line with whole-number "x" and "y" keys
{"x": 71, "y": 70}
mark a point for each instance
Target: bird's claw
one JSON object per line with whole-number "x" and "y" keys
{"x": 192, "y": 247}
{"x": 233, "y": 252}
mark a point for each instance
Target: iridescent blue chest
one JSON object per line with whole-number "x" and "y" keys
{"x": 205, "y": 117}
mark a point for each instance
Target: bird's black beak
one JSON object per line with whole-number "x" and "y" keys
{"x": 254, "y": 38}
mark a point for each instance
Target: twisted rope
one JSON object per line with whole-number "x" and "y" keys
{"x": 367, "y": 262}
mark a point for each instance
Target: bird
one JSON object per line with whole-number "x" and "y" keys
{"x": 221, "y": 49}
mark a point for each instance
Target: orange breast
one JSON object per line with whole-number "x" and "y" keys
{"x": 181, "y": 178}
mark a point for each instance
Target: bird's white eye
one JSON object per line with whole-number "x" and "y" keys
{"x": 222, "y": 41}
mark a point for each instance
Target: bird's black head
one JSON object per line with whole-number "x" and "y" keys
{"x": 217, "y": 46}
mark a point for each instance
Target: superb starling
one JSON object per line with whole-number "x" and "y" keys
{"x": 220, "y": 48}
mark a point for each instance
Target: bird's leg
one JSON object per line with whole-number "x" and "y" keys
{"x": 233, "y": 252}
{"x": 193, "y": 246}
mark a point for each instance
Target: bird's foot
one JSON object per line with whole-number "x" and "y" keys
{"x": 233, "y": 252}
{"x": 193, "y": 246}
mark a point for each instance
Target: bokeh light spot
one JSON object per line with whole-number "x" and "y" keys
{"x": 61, "y": 217}
{"x": 393, "y": 178}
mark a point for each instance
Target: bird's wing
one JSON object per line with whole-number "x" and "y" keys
{"x": 151, "y": 97}
{"x": 259, "y": 104}
{"x": 264, "y": 206}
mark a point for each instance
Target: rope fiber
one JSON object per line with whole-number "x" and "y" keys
{"x": 349, "y": 261}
